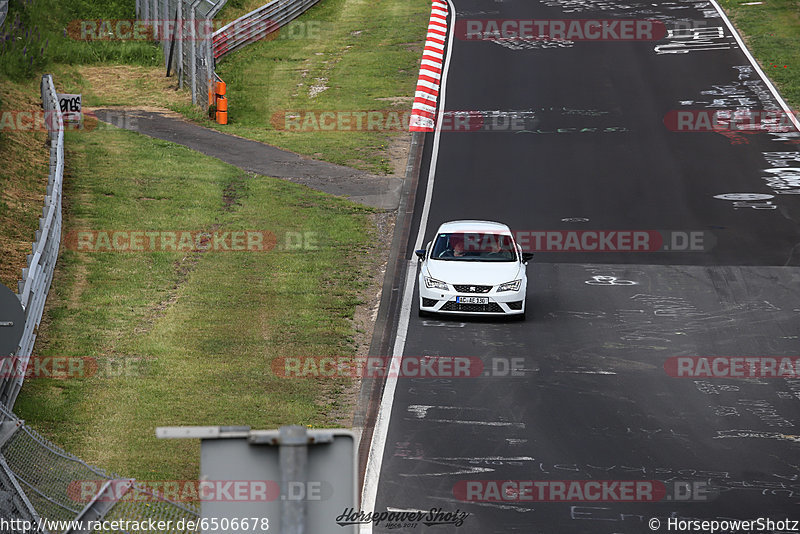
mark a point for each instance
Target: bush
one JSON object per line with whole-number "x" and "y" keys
{"x": 36, "y": 34}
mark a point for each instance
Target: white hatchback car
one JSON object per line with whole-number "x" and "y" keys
{"x": 473, "y": 268}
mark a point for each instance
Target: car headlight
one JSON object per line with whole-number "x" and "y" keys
{"x": 433, "y": 283}
{"x": 510, "y": 286}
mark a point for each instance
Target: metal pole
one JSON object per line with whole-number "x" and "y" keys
{"x": 154, "y": 12}
{"x": 194, "y": 52}
{"x": 172, "y": 45}
{"x": 164, "y": 25}
{"x": 179, "y": 67}
{"x": 210, "y": 58}
{"x": 293, "y": 460}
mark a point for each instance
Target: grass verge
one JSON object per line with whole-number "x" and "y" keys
{"x": 24, "y": 162}
{"x": 190, "y": 336}
{"x": 40, "y": 33}
{"x": 342, "y": 55}
{"x": 771, "y": 30}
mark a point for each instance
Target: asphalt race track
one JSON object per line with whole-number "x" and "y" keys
{"x": 589, "y": 398}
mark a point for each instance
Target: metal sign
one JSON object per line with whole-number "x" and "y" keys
{"x": 290, "y": 481}
{"x": 12, "y": 322}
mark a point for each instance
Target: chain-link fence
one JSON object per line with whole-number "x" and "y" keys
{"x": 14, "y": 504}
{"x": 40, "y": 480}
{"x": 184, "y": 29}
{"x": 3, "y": 11}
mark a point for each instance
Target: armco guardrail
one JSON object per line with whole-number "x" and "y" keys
{"x": 36, "y": 277}
{"x": 257, "y": 24}
{"x": 191, "y": 49}
{"x": 37, "y": 478}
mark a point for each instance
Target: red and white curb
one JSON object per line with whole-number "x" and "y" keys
{"x": 423, "y": 112}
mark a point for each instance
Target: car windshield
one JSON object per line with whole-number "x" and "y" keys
{"x": 474, "y": 246}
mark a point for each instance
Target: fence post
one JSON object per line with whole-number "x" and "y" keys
{"x": 181, "y": 36}
{"x": 209, "y": 50}
{"x": 194, "y": 51}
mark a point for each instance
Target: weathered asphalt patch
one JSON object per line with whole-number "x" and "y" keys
{"x": 382, "y": 192}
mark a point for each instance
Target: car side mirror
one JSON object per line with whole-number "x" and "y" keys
{"x": 420, "y": 254}
{"x": 527, "y": 256}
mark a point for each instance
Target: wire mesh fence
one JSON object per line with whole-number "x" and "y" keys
{"x": 45, "y": 473}
{"x": 184, "y": 29}
{"x": 3, "y": 11}
{"x": 42, "y": 480}
{"x": 14, "y": 504}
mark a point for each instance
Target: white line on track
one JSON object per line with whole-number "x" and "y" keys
{"x": 373, "y": 471}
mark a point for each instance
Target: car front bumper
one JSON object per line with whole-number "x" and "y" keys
{"x": 441, "y": 301}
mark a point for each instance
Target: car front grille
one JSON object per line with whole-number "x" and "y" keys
{"x": 471, "y": 288}
{"x": 427, "y": 303}
{"x": 516, "y": 305}
{"x": 454, "y": 306}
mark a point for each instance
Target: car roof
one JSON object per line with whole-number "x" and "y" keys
{"x": 473, "y": 225}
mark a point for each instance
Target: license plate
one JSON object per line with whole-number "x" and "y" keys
{"x": 472, "y": 300}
